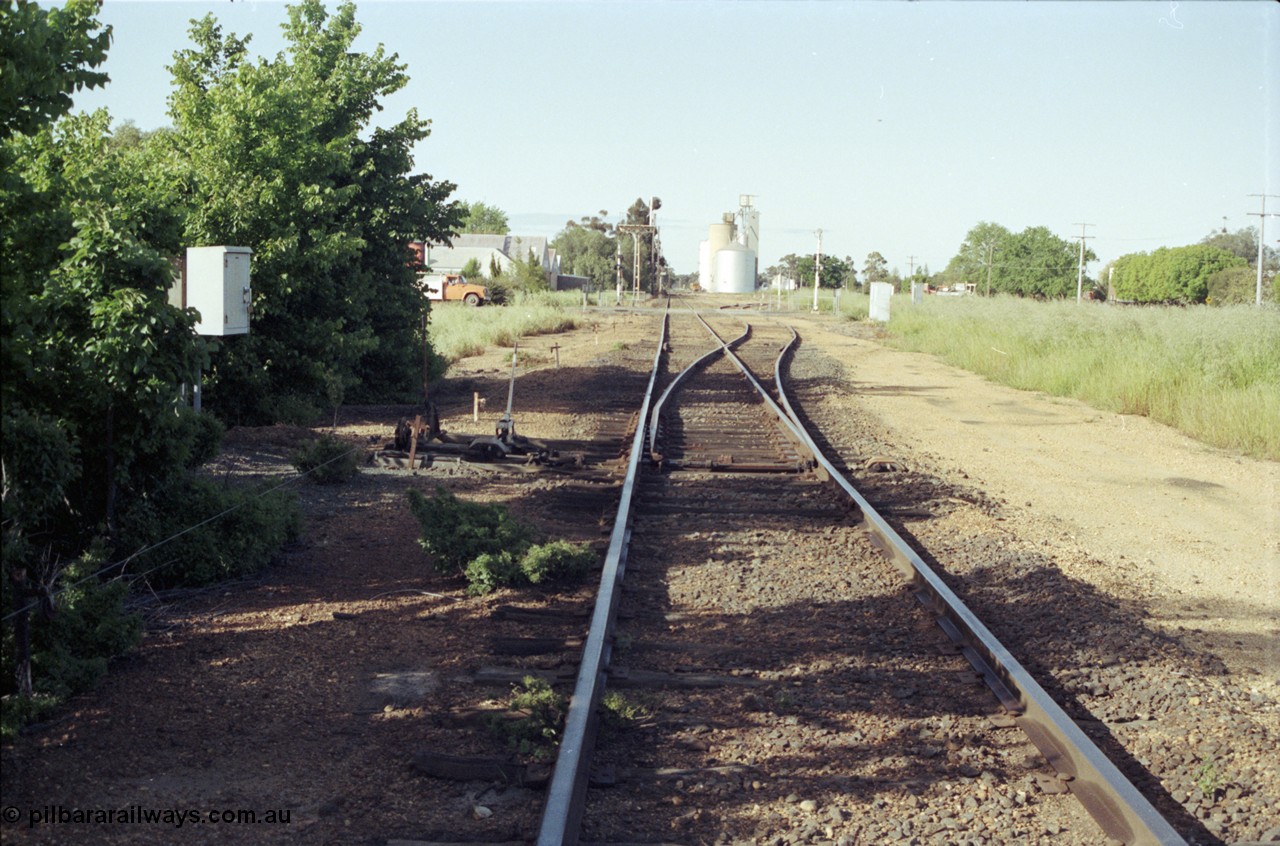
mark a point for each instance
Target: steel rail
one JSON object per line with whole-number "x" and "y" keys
{"x": 792, "y": 425}
{"x": 655, "y": 420}
{"x": 1110, "y": 798}
{"x": 566, "y": 793}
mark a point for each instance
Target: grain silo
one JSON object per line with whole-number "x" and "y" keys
{"x": 737, "y": 237}
{"x": 704, "y": 265}
{"x": 735, "y": 269}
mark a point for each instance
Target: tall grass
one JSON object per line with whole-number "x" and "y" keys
{"x": 1211, "y": 373}
{"x": 458, "y": 331}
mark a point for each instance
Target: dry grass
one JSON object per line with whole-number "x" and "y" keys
{"x": 458, "y": 331}
{"x": 1211, "y": 373}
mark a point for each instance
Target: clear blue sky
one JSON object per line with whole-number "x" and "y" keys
{"x": 891, "y": 126}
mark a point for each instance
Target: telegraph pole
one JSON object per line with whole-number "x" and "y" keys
{"x": 1080, "y": 274}
{"x": 817, "y": 271}
{"x": 991, "y": 250}
{"x": 1262, "y": 224}
{"x": 911, "y": 272}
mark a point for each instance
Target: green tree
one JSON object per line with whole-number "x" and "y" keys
{"x": 834, "y": 271}
{"x": 278, "y": 155}
{"x": 1030, "y": 263}
{"x": 1242, "y": 243}
{"x": 788, "y": 267}
{"x": 1233, "y": 286}
{"x": 1037, "y": 263}
{"x": 1171, "y": 274}
{"x": 93, "y": 354}
{"x": 875, "y": 269}
{"x": 48, "y": 54}
{"x": 588, "y": 249}
{"x": 480, "y": 218}
{"x": 972, "y": 263}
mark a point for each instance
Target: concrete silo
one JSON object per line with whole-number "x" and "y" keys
{"x": 704, "y": 265}
{"x": 735, "y": 269}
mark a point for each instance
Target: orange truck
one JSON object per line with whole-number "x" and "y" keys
{"x": 445, "y": 287}
{"x": 453, "y": 287}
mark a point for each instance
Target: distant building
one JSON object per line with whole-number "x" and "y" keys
{"x": 488, "y": 250}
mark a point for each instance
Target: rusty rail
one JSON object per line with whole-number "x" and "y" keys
{"x": 566, "y": 794}
{"x": 1111, "y": 799}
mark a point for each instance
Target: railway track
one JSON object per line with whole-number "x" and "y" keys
{"x": 792, "y": 684}
{"x": 751, "y": 569}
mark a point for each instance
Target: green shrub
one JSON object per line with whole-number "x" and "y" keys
{"x": 241, "y": 541}
{"x": 455, "y": 533}
{"x": 70, "y": 649}
{"x": 618, "y": 712}
{"x": 491, "y": 548}
{"x": 537, "y": 732}
{"x": 19, "y": 711}
{"x": 327, "y": 460}
{"x": 492, "y": 570}
{"x": 558, "y": 561}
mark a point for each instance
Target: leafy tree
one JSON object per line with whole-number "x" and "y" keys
{"x": 834, "y": 271}
{"x": 48, "y": 54}
{"x": 971, "y": 265}
{"x": 481, "y": 218}
{"x": 1171, "y": 274}
{"x": 875, "y": 269}
{"x": 277, "y": 155}
{"x": 93, "y": 354}
{"x": 788, "y": 267}
{"x": 1037, "y": 263}
{"x": 588, "y": 249}
{"x": 851, "y": 273}
{"x": 1030, "y": 263}
{"x": 472, "y": 269}
{"x": 1242, "y": 243}
{"x": 597, "y": 222}
{"x": 1233, "y": 286}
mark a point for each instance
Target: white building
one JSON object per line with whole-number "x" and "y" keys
{"x": 502, "y": 250}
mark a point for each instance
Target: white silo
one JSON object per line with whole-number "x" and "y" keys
{"x": 735, "y": 270}
{"x": 719, "y": 236}
{"x": 704, "y": 265}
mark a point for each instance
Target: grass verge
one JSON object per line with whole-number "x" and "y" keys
{"x": 458, "y": 331}
{"x": 1211, "y": 373}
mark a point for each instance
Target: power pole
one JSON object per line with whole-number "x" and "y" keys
{"x": 1262, "y": 224}
{"x": 1080, "y": 274}
{"x": 991, "y": 251}
{"x": 817, "y": 271}
{"x": 911, "y": 271}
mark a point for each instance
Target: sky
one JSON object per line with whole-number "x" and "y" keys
{"x": 891, "y": 126}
